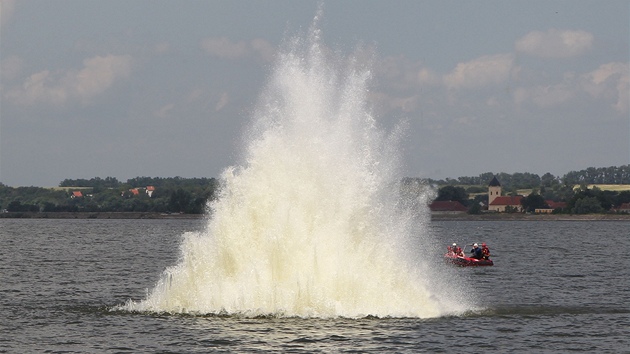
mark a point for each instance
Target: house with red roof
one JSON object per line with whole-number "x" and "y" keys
{"x": 556, "y": 205}
{"x": 552, "y": 206}
{"x": 76, "y": 194}
{"x": 500, "y": 204}
{"x": 447, "y": 206}
{"x": 623, "y": 208}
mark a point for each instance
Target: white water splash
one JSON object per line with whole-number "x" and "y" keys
{"x": 311, "y": 223}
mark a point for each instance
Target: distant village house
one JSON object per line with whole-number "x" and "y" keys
{"x": 623, "y": 208}
{"x": 504, "y": 203}
{"x": 447, "y": 207}
{"x": 552, "y": 206}
{"x": 499, "y": 203}
{"x": 134, "y": 192}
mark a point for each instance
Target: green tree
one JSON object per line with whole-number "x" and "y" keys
{"x": 14, "y": 206}
{"x": 622, "y": 197}
{"x": 477, "y": 189}
{"x": 179, "y": 201}
{"x": 603, "y": 175}
{"x": 549, "y": 180}
{"x": 532, "y": 202}
{"x": 511, "y": 209}
{"x": 475, "y": 208}
{"x": 587, "y": 205}
{"x": 604, "y": 198}
{"x": 453, "y": 193}
{"x": 17, "y": 206}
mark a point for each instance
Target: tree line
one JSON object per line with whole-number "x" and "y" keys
{"x": 591, "y": 175}
{"x": 168, "y": 195}
{"x": 190, "y": 195}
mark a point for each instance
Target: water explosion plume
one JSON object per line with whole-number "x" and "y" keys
{"x": 311, "y": 223}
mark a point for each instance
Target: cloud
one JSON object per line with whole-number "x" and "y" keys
{"x": 402, "y": 74}
{"x": 38, "y": 87}
{"x": 610, "y": 80}
{"x": 164, "y": 111}
{"x": 483, "y": 71}
{"x": 264, "y": 49}
{"x": 555, "y": 43}
{"x": 426, "y": 76}
{"x": 544, "y": 96}
{"x": 97, "y": 75}
{"x": 608, "y": 84}
{"x": 162, "y": 47}
{"x": 6, "y": 11}
{"x": 224, "y": 48}
{"x": 549, "y": 94}
{"x": 223, "y": 101}
{"x": 385, "y": 103}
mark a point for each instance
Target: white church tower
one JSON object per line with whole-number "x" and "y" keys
{"x": 494, "y": 190}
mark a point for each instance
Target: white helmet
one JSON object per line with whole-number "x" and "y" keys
{"x": 454, "y": 244}
{"x": 475, "y": 245}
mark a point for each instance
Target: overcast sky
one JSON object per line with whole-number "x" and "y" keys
{"x": 165, "y": 88}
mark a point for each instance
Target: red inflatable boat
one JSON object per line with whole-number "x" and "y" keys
{"x": 466, "y": 261}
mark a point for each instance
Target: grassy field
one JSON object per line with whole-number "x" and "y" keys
{"x": 604, "y": 187}
{"x": 69, "y": 188}
{"x": 608, "y": 187}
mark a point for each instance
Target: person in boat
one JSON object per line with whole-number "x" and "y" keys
{"x": 485, "y": 251}
{"x": 457, "y": 250}
{"x": 476, "y": 252}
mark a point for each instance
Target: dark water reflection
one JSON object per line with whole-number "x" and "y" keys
{"x": 555, "y": 287}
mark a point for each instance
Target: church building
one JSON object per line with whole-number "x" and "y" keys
{"x": 497, "y": 202}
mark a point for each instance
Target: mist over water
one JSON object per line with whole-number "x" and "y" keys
{"x": 310, "y": 223}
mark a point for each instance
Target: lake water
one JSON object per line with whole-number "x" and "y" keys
{"x": 557, "y": 286}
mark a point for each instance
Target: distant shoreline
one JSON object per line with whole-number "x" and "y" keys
{"x": 434, "y": 216}
{"x": 528, "y": 217}
{"x": 98, "y": 215}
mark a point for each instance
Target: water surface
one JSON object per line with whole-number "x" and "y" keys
{"x": 555, "y": 287}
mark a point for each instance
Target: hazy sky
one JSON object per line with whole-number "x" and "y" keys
{"x": 165, "y": 88}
